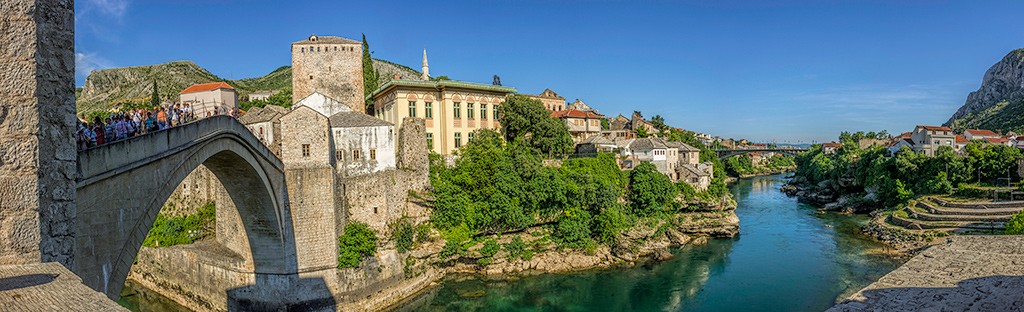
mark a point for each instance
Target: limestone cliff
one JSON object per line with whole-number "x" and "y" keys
{"x": 1003, "y": 82}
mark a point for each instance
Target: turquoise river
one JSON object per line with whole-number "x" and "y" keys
{"x": 787, "y": 257}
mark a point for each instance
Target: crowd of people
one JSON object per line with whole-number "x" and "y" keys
{"x": 126, "y": 124}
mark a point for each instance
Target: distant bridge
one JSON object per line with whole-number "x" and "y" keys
{"x": 724, "y": 153}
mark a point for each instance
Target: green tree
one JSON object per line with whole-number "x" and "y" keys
{"x": 370, "y": 75}
{"x": 573, "y": 228}
{"x": 526, "y": 118}
{"x": 355, "y": 244}
{"x": 650, "y": 191}
{"x": 404, "y": 236}
{"x": 605, "y": 125}
{"x": 441, "y": 78}
{"x": 156, "y": 95}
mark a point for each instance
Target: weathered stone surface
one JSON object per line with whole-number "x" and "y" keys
{"x": 48, "y": 287}
{"x": 36, "y": 132}
{"x": 971, "y": 273}
{"x": 330, "y": 65}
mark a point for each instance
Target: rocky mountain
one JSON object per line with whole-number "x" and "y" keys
{"x": 991, "y": 107}
{"x": 106, "y": 89}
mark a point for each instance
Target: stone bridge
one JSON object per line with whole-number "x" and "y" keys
{"x": 122, "y": 186}
{"x": 730, "y": 152}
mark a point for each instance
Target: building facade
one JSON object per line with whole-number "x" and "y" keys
{"x": 262, "y": 95}
{"x": 582, "y": 125}
{"x": 205, "y": 99}
{"x": 928, "y": 139}
{"x": 452, "y": 109}
{"x": 265, "y": 123}
{"x": 550, "y": 100}
{"x": 332, "y": 66}
{"x": 975, "y": 134}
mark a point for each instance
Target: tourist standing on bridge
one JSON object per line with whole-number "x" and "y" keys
{"x": 97, "y": 130}
{"x": 188, "y": 113}
{"x": 161, "y": 118}
{"x": 151, "y": 123}
{"x": 122, "y": 128}
{"x": 109, "y": 130}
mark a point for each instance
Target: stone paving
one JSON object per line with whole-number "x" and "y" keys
{"x": 48, "y": 287}
{"x": 970, "y": 273}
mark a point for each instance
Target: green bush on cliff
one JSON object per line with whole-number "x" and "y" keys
{"x": 170, "y": 231}
{"x": 650, "y": 191}
{"x": 515, "y": 248}
{"x": 609, "y": 223}
{"x": 355, "y": 244}
{"x": 1016, "y": 224}
{"x": 404, "y": 236}
{"x": 573, "y": 228}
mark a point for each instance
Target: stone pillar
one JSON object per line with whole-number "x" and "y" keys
{"x": 37, "y": 129}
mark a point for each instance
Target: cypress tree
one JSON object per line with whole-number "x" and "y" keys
{"x": 370, "y": 75}
{"x": 156, "y": 95}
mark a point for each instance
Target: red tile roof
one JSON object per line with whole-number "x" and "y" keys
{"x": 936, "y": 128}
{"x": 905, "y": 135}
{"x": 575, "y": 114}
{"x": 981, "y": 132}
{"x": 961, "y": 139}
{"x": 831, "y": 144}
{"x": 996, "y": 140}
{"x": 206, "y": 87}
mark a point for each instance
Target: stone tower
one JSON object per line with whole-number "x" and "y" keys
{"x": 332, "y": 66}
{"x": 426, "y": 69}
{"x": 37, "y": 132}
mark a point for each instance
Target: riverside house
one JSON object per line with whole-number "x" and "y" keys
{"x": 928, "y": 139}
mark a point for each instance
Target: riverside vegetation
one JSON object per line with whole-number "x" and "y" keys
{"x": 873, "y": 180}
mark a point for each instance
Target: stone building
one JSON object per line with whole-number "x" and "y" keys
{"x": 582, "y": 125}
{"x": 595, "y": 144}
{"x": 206, "y": 98}
{"x": 580, "y": 106}
{"x": 262, "y": 95}
{"x": 452, "y": 110}
{"x": 332, "y": 66}
{"x": 619, "y": 123}
{"x": 928, "y": 139}
{"x": 550, "y": 100}
{"x": 265, "y": 123}
{"x": 362, "y": 144}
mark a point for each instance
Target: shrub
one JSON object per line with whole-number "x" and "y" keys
{"x": 423, "y": 232}
{"x": 650, "y": 190}
{"x": 403, "y": 236}
{"x": 969, "y": 191}
{"x": 609, "y": 223}
{"x": 515, "y": 248}
{"x": 451, "y": 248}
{"x": 573, "y": 228}
{"x": 490, "y": 248}
{"x": 1016, "y": 224}
{"x": 357, "y": 243}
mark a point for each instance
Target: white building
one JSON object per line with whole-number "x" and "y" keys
{"x": 205, "y": 99}
{"x": 362, "y": 144}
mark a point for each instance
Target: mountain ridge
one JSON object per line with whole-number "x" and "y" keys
{"x": 1000, "y": 96}
{"x": 105, "y": 89}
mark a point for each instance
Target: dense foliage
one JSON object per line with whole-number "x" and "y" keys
{"x": 370, "y": 75}
{"x": 282, "y": 98}
{"x": 523, "y": 118}
{"x": 897, "y": 177}
{"x": 1016, "y": 224}
{"x": 170, "y": 231}
{"x": 743, "y": 164}
{"x": 356, "y": 243}
{"x": 649, "y": 190}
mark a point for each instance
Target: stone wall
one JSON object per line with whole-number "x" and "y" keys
{"x": 199, "y": 188}
{"x": 412, "y": 145}
{"x": 37, "y": 128}
{"x": 334, "y": 69}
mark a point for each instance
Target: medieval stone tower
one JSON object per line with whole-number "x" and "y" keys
{"x": 332, "y": 66}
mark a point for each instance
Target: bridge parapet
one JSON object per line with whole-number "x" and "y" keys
{"x": 110, "y": 159}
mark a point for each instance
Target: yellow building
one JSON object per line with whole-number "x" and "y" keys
{"x": 452, "y": 109}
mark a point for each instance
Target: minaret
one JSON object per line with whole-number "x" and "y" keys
{"x": 426, "y": 69}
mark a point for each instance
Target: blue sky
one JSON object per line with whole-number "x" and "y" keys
{"x": 792, "y": 71}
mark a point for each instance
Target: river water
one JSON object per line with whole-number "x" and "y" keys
{"x": 787, "y": 257}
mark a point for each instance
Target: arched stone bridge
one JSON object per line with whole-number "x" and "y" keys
{"x": 730, "y": 152}
{"x": 122, "y": 186}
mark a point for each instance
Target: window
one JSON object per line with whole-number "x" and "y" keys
{"x": 469, "y": 110}
{"x": 373, "y": 154}
{"x": 470, "y": 137}
{"x": 305, "y": 150}
{"x": 374, "y": 210}
{"x": 430, "y": 141}
{"x": 261, "y": 130}
{"x": 339, "y": 155}
{"x": 948, "y": 142}
{"x": 458, "y": 139}
{"x": 495, "y": 111}
{"x": 412, "y": 109}
{"x": 310, "y": 77}
{"x": 355, "y": 155}
{"x": 303, "y": 50}
{"x": 318, "y": 49}
{"x": 429, "y": 110}
{"x": 936, "y": 142}
{"x": 483, "y": 111}
{"x": 335, "y": 49}
{"x": 457, "y": 108}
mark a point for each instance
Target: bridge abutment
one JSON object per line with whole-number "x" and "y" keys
{"x": 37, "y": 127}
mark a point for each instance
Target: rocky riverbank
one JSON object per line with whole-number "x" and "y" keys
{"x": 829, "y": 195}
{"x": 648, "y": 240}
{"x": 768, "y": 172}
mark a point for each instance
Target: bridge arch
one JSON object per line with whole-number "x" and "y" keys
{"x": 122, "y": 186}
{"x": 737, "y": 153}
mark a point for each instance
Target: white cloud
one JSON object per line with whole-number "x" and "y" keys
{"x": 86, "y": 62}
{"x": 113, "y": 8}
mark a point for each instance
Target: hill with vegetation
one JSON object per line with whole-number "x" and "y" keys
{"x": 999, "y": 102}
{"x": 110, "y": 88}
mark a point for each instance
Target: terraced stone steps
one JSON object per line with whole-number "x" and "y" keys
{"x": 930, "y": 213}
